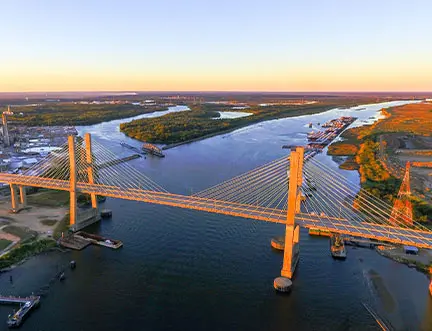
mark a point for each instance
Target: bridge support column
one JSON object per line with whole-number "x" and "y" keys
{"x": 14, "y": 198}
{"x": 292, "y": 230}
{"x": 90, "y": 174}
{"x": 72, "y": 188}
{"x": 23, "y": 196}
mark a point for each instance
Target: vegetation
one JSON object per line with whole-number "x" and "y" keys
{"x": 69, "y": 113}
{"x": 61, "y": 227}
{"x": 4, "y": 243}
{"x": 49, "y": 198}
{"x": 24, "y": 251}
{"x": 21, "y": 232}
{"x": 342, "y": 148}
{"x": 200, "y": 122}
{"x": 48, "y": 222}
{"x": 370, "y": 168}
{"x": 362, "y": 145}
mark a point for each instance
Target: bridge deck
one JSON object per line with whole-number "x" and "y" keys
{"x": 376, "y": 231}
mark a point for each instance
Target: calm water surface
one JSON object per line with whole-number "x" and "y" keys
{"x": 189, "y": 270}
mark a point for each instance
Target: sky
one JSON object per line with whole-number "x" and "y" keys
{"x": 215, "y": 45}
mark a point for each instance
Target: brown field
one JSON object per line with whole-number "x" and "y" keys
{"x": 414, "y": 118}
{"x": 341, "y": 148}
{"x": 384, "y": 148}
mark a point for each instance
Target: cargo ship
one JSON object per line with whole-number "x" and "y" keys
{"x": 152, "y": 149}
{"x": 337, "y": 247}
{"x": 99, "y": 240}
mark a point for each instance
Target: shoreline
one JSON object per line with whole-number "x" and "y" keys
{"x": 210, "y": 135}
{"x": 307, "y": 112}
{"x": 411, "y": 263}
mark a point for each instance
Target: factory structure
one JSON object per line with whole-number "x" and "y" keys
{"x": 5, "y": 131}
{"x": 22, "y": 146}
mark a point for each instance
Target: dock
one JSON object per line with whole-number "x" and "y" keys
{"x": 81, "y": 240}
{"x": 99, "y": 240}
{"x": 26, "y": 305}
{"x": 73, "y": 242}
{"x": 361, "y": 242}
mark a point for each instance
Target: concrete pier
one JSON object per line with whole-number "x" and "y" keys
{"x": 28, "y": 303}
{"x": 23, "y": 196}
{"x": 14, "y": 198}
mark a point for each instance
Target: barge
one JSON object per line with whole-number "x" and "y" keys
{"x": 133, "y": 148}
{"x": 152, "y": 149}
{"x": 320, "y": 139}
{"x": 337, "y": 247}
{"x": 319, "y": 232}
{"x": 99, "y": 240}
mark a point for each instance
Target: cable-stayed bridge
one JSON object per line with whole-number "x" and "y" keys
{"x": 297, "y": 191}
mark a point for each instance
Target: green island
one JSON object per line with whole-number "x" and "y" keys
{"x": 200, "y": 122}
{"x": 71, "y": 113}
{"x": 375, "y": 151}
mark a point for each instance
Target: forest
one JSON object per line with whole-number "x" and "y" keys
{"x": 202, "y": 121}
{"x": 69, "y": 113}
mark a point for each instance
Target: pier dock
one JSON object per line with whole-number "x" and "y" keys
{"x": 26, "y": 305}
{"x": 73, "y": 242}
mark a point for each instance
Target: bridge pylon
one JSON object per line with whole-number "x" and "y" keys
{"x": 18, "y": 203}
{"x": 90, "y": 173}
{"x": 79, "y": 220}
{"x": 402, "y": 208}
{"x": 72, "y": 182}
{"x": 292, "y": 230}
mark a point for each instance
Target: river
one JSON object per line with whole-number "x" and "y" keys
{"x": 189, "y": 270}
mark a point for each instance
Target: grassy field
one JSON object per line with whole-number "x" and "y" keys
{"x": 49, "y": 198}
{"x": 48, "y": 222}
{"x": 23, "y": 233}
{"x": 4, "y": 243}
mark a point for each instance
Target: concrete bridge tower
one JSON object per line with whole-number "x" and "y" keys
{"x": 292, "y": 230}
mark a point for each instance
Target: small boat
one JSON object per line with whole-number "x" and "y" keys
{"x": 337, "y": 247}
{"x": 62, "y": 276}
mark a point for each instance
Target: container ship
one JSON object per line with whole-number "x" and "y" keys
{"x": 152, "y": 149}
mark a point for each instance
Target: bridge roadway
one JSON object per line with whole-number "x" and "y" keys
{"x": 376, "y": 231}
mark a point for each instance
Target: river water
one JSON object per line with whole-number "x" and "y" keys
{"x": 189, "y": 270}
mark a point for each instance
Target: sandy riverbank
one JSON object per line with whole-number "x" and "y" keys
{"x": 39, "y": 219}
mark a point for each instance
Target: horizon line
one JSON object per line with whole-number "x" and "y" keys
{"x": 216, "y": 91}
